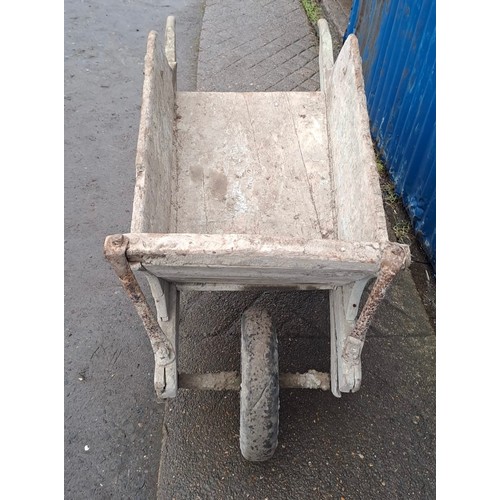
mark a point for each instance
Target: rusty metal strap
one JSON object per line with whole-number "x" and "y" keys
{"x": 115, "y": 248}
{"x": 394, "y": 258}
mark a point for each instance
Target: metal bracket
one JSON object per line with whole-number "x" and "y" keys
{"x": 394, "y": 258}
{"x": 115, "y": 248}
{"x": 347, "y": 334}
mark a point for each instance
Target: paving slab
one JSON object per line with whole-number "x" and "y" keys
{"x": 260, "y": 45}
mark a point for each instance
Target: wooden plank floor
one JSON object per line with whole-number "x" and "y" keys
{"x": 253, "y": 163}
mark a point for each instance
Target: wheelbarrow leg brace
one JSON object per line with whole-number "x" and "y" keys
{"x": 161, "y": 330}
{"x": 347, "y": 335}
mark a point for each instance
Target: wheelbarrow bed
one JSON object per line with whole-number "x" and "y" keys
{"x": 252, "y": 163}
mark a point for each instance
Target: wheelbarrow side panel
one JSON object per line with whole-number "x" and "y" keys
{"x": 358, "y": 198}
{"x": 358, "y": 203}
{"x": 155, "y": 147}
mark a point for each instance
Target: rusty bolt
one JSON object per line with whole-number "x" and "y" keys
{"x": 117, "y": 240}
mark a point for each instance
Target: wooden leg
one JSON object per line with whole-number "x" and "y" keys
{"x": 350, "y": 333}
{"x": 166, "y": 297}
{"x": 344, "y": 305}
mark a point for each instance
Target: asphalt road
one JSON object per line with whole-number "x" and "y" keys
{"x": 113, "y": 426}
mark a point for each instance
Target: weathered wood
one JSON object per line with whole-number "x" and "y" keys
{"x": 344, "y": 305}
{"x": 170, "y": 49}
{"x": 326, "y": 59}
{"x": 253, "y": 163}
{"x": 334, "y": 362}
{"x": 243, "y": 249}
{"x": 166, "y": 297}
{"x": 159, "y": 290}
{"x": 242, "y": 190}
{"x": 257, "y": 277}
{"x": 230, "y": 381}
{"x": 226, "y": 177}
{"x": 349, "y": 375}
{"x": 352, "y": 298}
{"x": 170, "y": 328}
{"x": 312, "y": 379}
{"x": 358, "y": 200}
{"x": 235, "y": 287}
{"x": 257, "y": 260}
{"x": 155, "y": 146}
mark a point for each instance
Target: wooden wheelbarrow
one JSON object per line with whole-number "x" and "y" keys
{"x": 270, "y": 190}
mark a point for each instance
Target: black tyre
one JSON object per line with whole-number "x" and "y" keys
{"x": 259, "y": 395}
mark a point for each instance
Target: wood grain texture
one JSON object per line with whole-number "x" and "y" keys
{"x": 334, "y": 362}
{"x": 358, "y": 198}
{"x": 254, "y": 260}
{"x": 253, "y": 163}
{"x": 235, "y": 287}
{"x": 171, "y": 330}
{"x": 253, "y": 276}
{"x": 239, "y": 249}
{"x": 155, "y": 146}
{"x": 170, "y": 48}
{"x": 348, "y": 375}
{"x": 326, "y": 59}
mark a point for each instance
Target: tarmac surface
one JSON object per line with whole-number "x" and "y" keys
{"x": 119, "y": 443}
{"x": 113, "y": 425}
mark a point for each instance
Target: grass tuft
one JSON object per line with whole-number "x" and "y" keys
{"x": 313, "y": 11}
{"x": 402, "y": 231}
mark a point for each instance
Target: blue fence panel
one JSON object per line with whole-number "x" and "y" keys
{"x": 397, "y": 41}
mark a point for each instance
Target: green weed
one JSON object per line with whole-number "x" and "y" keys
{"x": 312, "y": 9}
{"x": 389, "y": 194}
{"x": 402, "y": 231}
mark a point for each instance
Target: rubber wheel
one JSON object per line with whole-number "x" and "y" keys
{"x": 259, "y": 395}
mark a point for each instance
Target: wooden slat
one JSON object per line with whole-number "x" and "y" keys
{"x": 247, "y": 250}
{"x": 252, "y": 275}
{"x": 334, "y": 362}
{"x": 171, "y": 330}
{"x": 247, "y": 259}
{"x": 358, "y": 198}
{"x": 231, "y": 381}
{"x": 155, "y": 146}
{"x": 341, "y": 318}
{"x": 170, "y": 48}
{"x": 235, "y": 287}
{"x": 325, "y": 54}
{"x": 253, "y": 163}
